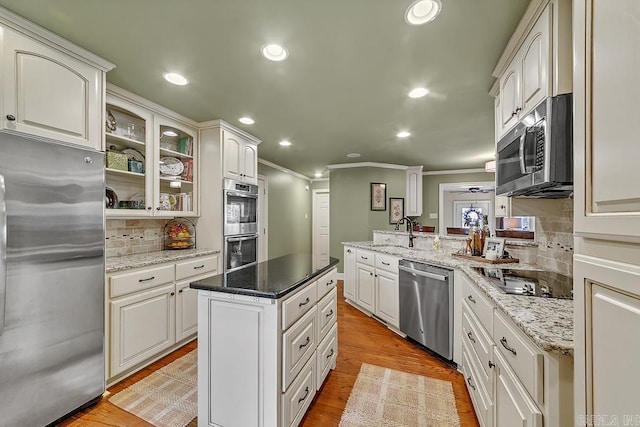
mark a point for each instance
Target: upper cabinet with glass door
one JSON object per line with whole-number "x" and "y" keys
{"x": 176, "y": 178}
{"x": 129, "y": 154}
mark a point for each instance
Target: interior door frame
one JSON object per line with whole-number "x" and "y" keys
{"x": 263, "y": 220}
{"x": 448, "y": 186}
{"x": 314, "y": 224}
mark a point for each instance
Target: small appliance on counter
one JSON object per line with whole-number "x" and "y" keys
{"x": 546, "y": 284}
{"x": 179, "y": 233}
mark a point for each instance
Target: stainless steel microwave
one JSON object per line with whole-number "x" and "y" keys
{"x": 535, "y": 159}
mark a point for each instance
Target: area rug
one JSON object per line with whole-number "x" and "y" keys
{"x": 167, "y": 397}
{"x": 386, "y": 397}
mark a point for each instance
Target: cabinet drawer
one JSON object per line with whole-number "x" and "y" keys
{"x": 196, "y": 267}
{"x": 326, "y": 283}
{"x": 480, "y": 305}
{"x": 297, "y": 345}
{"x": 479, "y": 343}
{"x": 298, "y": 304}
{"x": 296, "y": 401}
{"x": 326, "y": 355}
{"x": 479, "y": 395}
{"x": 387, "y": 263}
{"x": 122, "y": 284}
{"x": 366, "y": 257}
{"x": 327, "y": 313}
{"x": 523, "y": 357}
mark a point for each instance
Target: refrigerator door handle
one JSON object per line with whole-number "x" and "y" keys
{"x": 3, "y": 254}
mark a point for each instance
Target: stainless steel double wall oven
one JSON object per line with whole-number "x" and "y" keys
{"x": 240, "y": 224}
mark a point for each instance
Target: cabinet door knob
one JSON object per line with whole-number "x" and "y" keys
{"x": 518, "y": 109}
{"x": 172, "y": 293}
{"x": 491, "y": 364}
{"x": 11, "y": 117}
{"x": 158, "y": 208}
{"x": 180, "y": 291}
{"x": 149, "y": 208}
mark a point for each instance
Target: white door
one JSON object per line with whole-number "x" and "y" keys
{"x": 320, "y": 228}
{"x": 263, "y": 218}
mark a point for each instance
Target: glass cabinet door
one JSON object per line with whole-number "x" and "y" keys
{"x": 129, "y": 154}
{"x": 175, "y": 181}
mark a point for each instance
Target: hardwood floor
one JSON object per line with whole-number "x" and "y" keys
{"x": 360, "y": 339}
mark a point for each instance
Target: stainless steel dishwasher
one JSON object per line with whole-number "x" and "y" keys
{"x": 426, "y": 305}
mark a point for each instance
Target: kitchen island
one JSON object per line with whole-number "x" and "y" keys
{"x": 267, "y": 338}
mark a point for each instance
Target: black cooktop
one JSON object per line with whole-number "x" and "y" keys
{"x": 537, "y": 283}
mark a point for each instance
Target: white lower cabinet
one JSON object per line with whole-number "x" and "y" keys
{"x": 386, "y": 302}
{"x": 350, "y": 273}
{"x": 366, "y": 287}
{"x": 186, "y": 311}
{"x": 513, "y": 406}
{"x": 262, "y": 360}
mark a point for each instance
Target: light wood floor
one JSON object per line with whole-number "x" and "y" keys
{"x": 360, "y": 339}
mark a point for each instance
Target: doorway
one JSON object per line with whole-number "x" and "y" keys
{"x": 320, "y": 240}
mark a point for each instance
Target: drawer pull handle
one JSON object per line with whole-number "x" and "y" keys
{"x": 306, "y": 393}
{"x": 330, "y": 354}
{"x": 503, "y": 341}
{"x": 329, "y": 314}
{"x": 385, "y": 263}
{"x": 330, "y": 282}
{"x": 470, "y": 383}
{"x": 471, "y": 338}
{"x": 198, "y": 267}
{"x": 147, "y": 279}
{"x": 491, "y": 364}
{"x": 364, "y": 257}
{"x": 470, "y": 298}
{"x": 307, "y": 301}
{"x": 306, "y": 343}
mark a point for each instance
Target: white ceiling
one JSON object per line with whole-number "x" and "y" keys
{"x": 343, "y": 88}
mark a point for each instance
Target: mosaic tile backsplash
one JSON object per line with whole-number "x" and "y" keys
{"x": 133, "y": 236}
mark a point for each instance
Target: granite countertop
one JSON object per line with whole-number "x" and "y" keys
{"x": 269, "y": 279}
{"x": 127, "y": 262}
{"x": 508, "y": 242}
{"x": 547, "y": 321}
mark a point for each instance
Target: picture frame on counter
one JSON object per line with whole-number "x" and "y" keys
{"x": 378, "y": 196}
{"x": 493, "y": 248}
{"x": 396, "y": 209}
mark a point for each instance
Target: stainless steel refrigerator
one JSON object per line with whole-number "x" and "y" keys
{"x": 51, "y": 279}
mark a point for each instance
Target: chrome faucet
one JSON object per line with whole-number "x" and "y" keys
{"x": 409, "y": 224}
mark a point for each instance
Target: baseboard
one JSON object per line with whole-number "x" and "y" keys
{"x": 340, "y": 276}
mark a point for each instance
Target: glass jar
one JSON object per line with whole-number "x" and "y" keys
{"x": 476, "y": 240}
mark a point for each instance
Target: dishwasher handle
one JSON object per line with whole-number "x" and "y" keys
{"x": 439, "y": 277}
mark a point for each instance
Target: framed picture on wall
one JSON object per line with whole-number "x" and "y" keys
{"x": 396, "y": 209}
{"x": 378, "y": 196}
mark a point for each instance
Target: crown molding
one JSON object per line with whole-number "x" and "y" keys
{"x": 455, "y": 171}
{"x": 226, "y": 126}
{"x": 366, "y": 165}
{"x": 319, "y": 179}
{"x": 283, "y": 169}
{"x": 42, "y": 35}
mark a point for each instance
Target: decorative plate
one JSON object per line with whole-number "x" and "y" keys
{"x": 133, "y": 154}
{"x": 171, "y": 166}
{"x": 110, "y": 198}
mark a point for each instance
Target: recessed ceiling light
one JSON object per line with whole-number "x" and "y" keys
{"x": 353, "y": 155}
{"x": 422, "y": 11}
{"x": 274, "y": 52}
{"x": 418, "y": 92}
{"x": 318, "y": 174}
{"x": 170, "y": 133}
{"x": 246, "y": 120}
{"x": 403, "y": 134}
{"x": 285, "y": 143}
{"x": 175, "y": 78}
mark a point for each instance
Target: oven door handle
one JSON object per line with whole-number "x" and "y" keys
{"x": 240, "y": 239}
{"x": 241, "y": 194}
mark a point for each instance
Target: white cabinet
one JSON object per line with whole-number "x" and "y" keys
{"x": 186, "y": 311}
{"x": 526, "y": 81}
{"x": 350, "y": 273}
{"x": 49, "y": 93}
{"x": 240, "y": 158}
{"x": 413, "y": 199}
{"x": 502, "y": 206}
{"x": 365, "y": 284}
{"x": 386, "y": 305}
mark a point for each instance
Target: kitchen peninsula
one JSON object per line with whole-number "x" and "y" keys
{"x": 267, "y": 338}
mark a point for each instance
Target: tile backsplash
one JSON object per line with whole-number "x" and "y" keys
{"x": 133, "y": 236}
{"x": 554, "y": 235}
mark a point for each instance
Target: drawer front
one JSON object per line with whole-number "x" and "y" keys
{"x": 326, "y": 355}
{"x": 298, "y": 343}
{"x": 297, "y": 399}
{"x": 122, "y": 284}
{"x": 298, "y": 304}
{"x": 479, "y": 343}
{"x": 327, "y": 313}
{"x": 326, "y": 283}
{"x": 366, "y": 257}
{"x": 480, "y": 305}
{"x": 482, "y": 403}
{"x": 196, "y": 267}
{"x": 387, "y": 263}
{"x": 524, "y": 358}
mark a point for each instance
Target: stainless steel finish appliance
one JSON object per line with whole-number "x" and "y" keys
{"x": 240, "y": 251}
{"x": 51, "y": 279}
{"x": 426, "y": 305}
{"x": 240, "y": 208}
{"x": 535, "y": 159}
{"x": 545, "y": 284}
